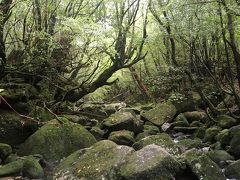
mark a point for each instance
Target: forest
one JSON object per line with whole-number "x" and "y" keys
{"x": 120, "y": 89}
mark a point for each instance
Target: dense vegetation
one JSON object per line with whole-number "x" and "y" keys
{"x": 123, "y": 70}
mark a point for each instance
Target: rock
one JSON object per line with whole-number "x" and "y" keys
{"x": 186, "y": 144}
{"x": 122, "y": 121}
{"x": 165, "y": 127}
{"x": 181, "y": 117}
{"x": 224, "y": 137}
{"x": 12, "y": 168}
{"x": 196, "y": 116}
{"x": 122, "y": 137}
{"x": 225, "y": 121}
{"x": 41, "y": 114}
{"x": 32, "y": 169}
{"x": 82, "y": 120}
{"x": 186, "y": 130}
{"x": 203, "y": 167}
{"x": 151, "y": 162}
{"x": 200, "y": 133}
{"x": 151, "y": 129}
{"x": 179, "y": 124}
{"x": 163, "y": 140}
{"x": 11, "y": 158}
{"x": 211, "y": 133}
{"x": 101, "y": 161}
{"x": 97, "y": 132}
{"x": 5, "y": 150}
{"x": 12, "y": 131}
{"x": 196, "y": 124}
{"x": 235, "y": 145}
{"x": 142, "y": 135}
{"x": 56, "y": 140}
{"x": 220, "y": 157}
{"x": 233, "y": 170}
{"x": 161, "y": 114}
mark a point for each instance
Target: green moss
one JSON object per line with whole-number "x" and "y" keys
{"x": 5, "y": 150}
{"x": 196, "y": 116}
{"x": 101, "y": 161}
{"x": 224, "y": 137}
{"x": 232, "y": 171}
{"x": 225, "y": 121}
{"x": 151, "y": 129}
{"x": 220, "y": 157}
{"x": 122, "y": 137}
{"x": 161, "y": 113}
{"x": 211, "y": 133}
{"x": 32, "y": 169}
{"x": 56, "y": 140}
{"x": 185, "y": 144}
{"x": 163, "y": 140}
{"x": 14, "y": 167}
{"x": 235, "y": 145}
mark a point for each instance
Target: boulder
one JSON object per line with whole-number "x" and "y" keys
{"x": 32, "y": 169}
{"x": 5, "y": 150}
{"x": 163, "y": 140}
{"x": 225, "y": 121}
{"x": 122, "y": 121}
{"x": 12, "y": 130}
{"x": 101, "y": 161}
{"x": 186, "y": 130}
{"x": 162, "y": 113}
{"x": 122, "y": 137}
{"x": 233, "y": 170}
{"x": 12, "y": 168}
{"x": 151, "y": 129}
{"x": 196, "y": 116}
{"x": 186, "y": 144}
{"x": 235, "y": 145}
{"x": 203, "y": 167}
{"x": 224, "y": 137}
{"x": 82, "y": 120}
{"x": 56, "y": 140}
{"x": 151, "y": 162}
{"x": 97, "y": 132}
{"x": 220, "y": 157}
{"x": 211, "y": 133}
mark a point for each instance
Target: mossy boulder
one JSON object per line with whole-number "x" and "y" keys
{"x": 151, "y": 162}
{"x": 32, "y": 169}
{"x": 101, "y": 161}
{"x": 233, "y": 170}
{"x": 163, "y": 140}
{"x": 186, "y": 130}
{"x": 220, "y": 157}
{"x": 179, "y": 124}
{"x": 5, "y": 150}
{"x": 41, "y": 114}
{"x": 200, "y": 133}
{"x": 224, "y": 137}
{"x": 142, "y": 135}
{"x": 122, "y": 137}
{"x": 196, "y": 116}
{"x": 181, "y": 117}
{"x": 235, "y": 145}
{"x": 196, "y": 124}
{"x": 56, "y": 140}
{"x": 122, "y": 121}
{"x": 211, "y": 133}
{"x": 186, "y": 144}
{"x": 13, "y": 168}
{"x": 203, "y": 167}
{"x": 163, "y": 112}
{"x": 12, "y": 130}
{"x": 82, "y": 120}
{"x": 97, "y": 132}
{"x": 151, "y": 129}
{"x": 225, "y": 121}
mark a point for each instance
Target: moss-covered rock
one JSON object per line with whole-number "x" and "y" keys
{"x": 224, "y": 137}
{"x": 12, "y": 131}
{"x": 196, "y": 116}
{"x": 151, "y": 129}
{"x": 97, "y": 132}
{"x": 186, "y": 130}
{"x": 82, "y": 120}
{"x": 41, "y": 114}
{"x": 121, "y": 121}
{"x": 220, "y": 157}
{"x": 233, "y": 170}
{"x": 211, "y": 133}
{"x": 151, "y": 162}
{"x": 162, "y": 113}
{"x": 56, "y": 140}
{"x": 11, "y": 158}
{"x": 179, "y": 124}
{"x": 142, "y": 135}
{"x": 186, "y": 144}
{"x": 163, "y": 140}
{"x": 196, "y": 124}
{"x": 181, "y": 117}
{"x": 203, "y": 167}
{"x": 235, "y": 145}
{"x": 122, "y": 137}
{"x": 200, "y": 133}
{"x": 12, "y": 168}
{"x": 5, "y": 150}
{"x": 101, "y": 161}
{"x": 32, "y": 169}
{"x": 225, "y": 121}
